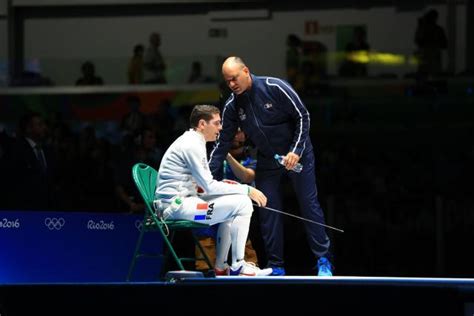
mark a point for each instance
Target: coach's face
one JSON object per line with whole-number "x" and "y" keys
{"x": 236, "y": 77}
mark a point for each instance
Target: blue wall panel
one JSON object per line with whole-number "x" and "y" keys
{"x": 44, "y": 247}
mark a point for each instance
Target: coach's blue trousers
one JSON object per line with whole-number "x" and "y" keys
{"x": 269, "y": 181}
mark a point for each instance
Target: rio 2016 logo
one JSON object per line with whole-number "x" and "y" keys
{"x": 100, "y": 225}
{"x": 6, "y": 223}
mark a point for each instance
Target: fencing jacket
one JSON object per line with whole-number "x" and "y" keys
{"x": 185, "y": 165}
{"x": 272, "y": 115}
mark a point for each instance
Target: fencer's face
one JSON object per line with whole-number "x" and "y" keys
{"x": 211, "y": 128}
{"x": 236, "y": 77}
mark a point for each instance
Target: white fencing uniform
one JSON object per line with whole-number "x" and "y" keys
{"x": 184, "y": 167}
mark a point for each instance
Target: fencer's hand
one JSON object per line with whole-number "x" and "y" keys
{"x": 290, "y": 160}
{"x": 257, "y": 196}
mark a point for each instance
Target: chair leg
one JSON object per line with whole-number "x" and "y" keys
{"x": 171, "y": 249}
{"x": 135, "y": 254}
{"x": 203, "y": 252}
{"x": 166, "y": 253}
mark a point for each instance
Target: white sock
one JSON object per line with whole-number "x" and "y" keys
{"x": 223, "y": 243}
{"x": 239, "y": 231}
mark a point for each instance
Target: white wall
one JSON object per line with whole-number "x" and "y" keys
{"x": 62, "y": 45}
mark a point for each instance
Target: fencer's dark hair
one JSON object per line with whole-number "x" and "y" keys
{"x": 202, "y": 112}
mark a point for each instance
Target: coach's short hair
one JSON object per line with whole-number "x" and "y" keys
{"x": 202, "y": 112}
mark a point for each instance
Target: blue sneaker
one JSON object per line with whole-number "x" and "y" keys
{"x": 278, "y": 271}
{"x": 324, "y": 267}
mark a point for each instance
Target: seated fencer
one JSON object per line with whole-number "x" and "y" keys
{"x": 184, "y": 171}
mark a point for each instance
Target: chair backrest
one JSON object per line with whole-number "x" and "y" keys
{"x": 145, "y": 180}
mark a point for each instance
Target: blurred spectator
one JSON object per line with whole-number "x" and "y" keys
{"x": 356, "y": 50}
{"x": 196, "y": 76}
{"x": 30, "y": 167}
{"x": 68, "y": 178}
{"x": 89, "y": 78}
{"x": 154, "y": 62}
{"x": 31, "y": 79}
{"x": 313, "y": 69}
{"x": 431, "y": 40}
{"x": 135, "y": 65}
{"x": 293, "y": 56}
{"x": 163, "y": 119}
{"x": 196, "y": 72}
{"x": 31, "y": 76}
{"x": 133, "y": 121}
{"x": 5, "y": 141}
{"x": 143, "y": 150}
{"x": 95, "y": 169}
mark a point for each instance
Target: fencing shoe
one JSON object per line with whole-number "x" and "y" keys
{"x": 278, "y": 271}
{"x": 244, "y": 268}
{"x": 324, "y": 267}
{"x": 222, "y": 270}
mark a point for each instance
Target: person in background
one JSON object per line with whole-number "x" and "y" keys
{"x": 133, "y": 121}
{"x": 352, "y": 66}
{"x": 135, "y": 65}
{"x": 293, "y": 58}
{"x": 196, "y": 75}
{"x": 154, "y": 62}
{"x": 30, "y": 167}
{"x": 89, "y": 78}
{"x": 143, "y": 149}
{"x": 431, "y": 40}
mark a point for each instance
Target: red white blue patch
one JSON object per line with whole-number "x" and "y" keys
{"x": 201, "y": 207}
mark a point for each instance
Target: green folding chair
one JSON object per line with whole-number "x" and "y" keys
{"x": 145, "y": 178}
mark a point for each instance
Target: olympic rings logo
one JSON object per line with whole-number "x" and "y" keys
{"x": 54, "y": 223}
{"x": 139, "y": 224}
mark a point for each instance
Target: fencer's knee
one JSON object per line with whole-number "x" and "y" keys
{"x": 247, "y": 207}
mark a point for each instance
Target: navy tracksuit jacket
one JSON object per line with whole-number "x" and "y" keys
{"x": 275, "y": 119}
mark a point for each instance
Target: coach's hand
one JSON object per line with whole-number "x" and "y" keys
{"x": 257, "y": 196}
{"x": 290, "y": 160}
